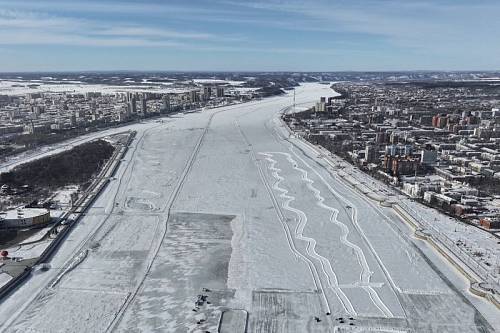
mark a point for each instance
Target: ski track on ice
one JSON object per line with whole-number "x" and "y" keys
{"x": 280, "y": 138}
{"x": 372, "y": 293}
{"x": 311, "y": 242}
{"x": 377, "y": 257}
{"x": 312, "y": 268}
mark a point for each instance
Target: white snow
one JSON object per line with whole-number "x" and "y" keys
{"x": 215, "y": 81}
{"x": 4, "y": 278}
{"x": 36, "y": 236}
{"x": 63, "y": 196}
{"x": 29, "y": 251}
{"x": 22, "y": 87}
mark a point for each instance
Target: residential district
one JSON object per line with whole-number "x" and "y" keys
{"x": 35, "y": 118}
{"x": 437, "y": 142}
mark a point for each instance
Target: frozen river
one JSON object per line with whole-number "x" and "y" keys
{"x": 219, "y": 218}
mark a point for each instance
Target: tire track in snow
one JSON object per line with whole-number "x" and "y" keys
{"x": 311, "y": 242}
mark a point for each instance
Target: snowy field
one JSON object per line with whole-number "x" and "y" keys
{"x": 22, "y": 87}
{"x": 217, "y": 81}
{"x": 8, "y": 87}
{"x": 220, "y": 212}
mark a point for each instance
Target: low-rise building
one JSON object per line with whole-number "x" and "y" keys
{"x": 24, "y": 218}
{"x": 490, "y": 223}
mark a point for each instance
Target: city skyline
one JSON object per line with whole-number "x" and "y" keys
{"x": 248, "y": 36}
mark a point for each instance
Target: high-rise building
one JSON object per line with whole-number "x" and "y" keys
{"x": 207, "y": 92}
{"x": 130, "y": 96}
{"x": 321, "y": 105}
{"x": 166, "y": 104}
{"x": 331, "y": 100}
{"x": 428, "y": 157}
{"x": 407, "y": 150}
{"x": 132, "y": 105}
{"x": 370, "y": 154}
{"x": 72, "y": 119}
{"x": 126, "y": 112}
{"x": 194, "y": 96}
{"x": 144, "y": 106}
{"x": 34, "y": 96}
{"x": 220, "y": 92}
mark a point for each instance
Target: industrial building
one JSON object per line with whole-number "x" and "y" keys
{"x": 24, "y": 218}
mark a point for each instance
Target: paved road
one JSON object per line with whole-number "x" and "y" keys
{"x": 222, "y": 210}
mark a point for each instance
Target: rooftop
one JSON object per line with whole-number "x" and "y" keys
{"x": 22, "y": 213}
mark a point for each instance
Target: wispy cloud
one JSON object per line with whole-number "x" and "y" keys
{"x": 403, "y": 33}
{"x": 408, "y": 23}
{"x": 48, "y": 38}
{"x": 27, "y": 27}
{"x": 158, "y": 33}
{"x": 15, "y": 19}
{"x": 166, "y": 9}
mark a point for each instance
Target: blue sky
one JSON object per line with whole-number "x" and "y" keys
{"x": 267, "y": 35}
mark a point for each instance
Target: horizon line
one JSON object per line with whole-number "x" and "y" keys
{"x": 252, "y": 71}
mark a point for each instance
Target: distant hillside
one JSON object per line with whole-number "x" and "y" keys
{"x": 270, "y": 91}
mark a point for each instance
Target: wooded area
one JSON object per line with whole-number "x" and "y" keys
{"x": 75, "y": 166}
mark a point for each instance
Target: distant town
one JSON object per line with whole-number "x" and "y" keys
{"x": 40, "y": 110}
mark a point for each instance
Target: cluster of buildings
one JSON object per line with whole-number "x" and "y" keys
{"x": 438, "y": 144}
{"x": 45, "y": 112}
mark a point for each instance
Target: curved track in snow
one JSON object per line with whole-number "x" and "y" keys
{"x": 311, "y": 242}
{"x": 298, "y": 255}
{"x": 367, "y": 274}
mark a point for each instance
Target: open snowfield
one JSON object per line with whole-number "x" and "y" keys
{"x": 218, "y": 217}
{"x": 23, "y": 87}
